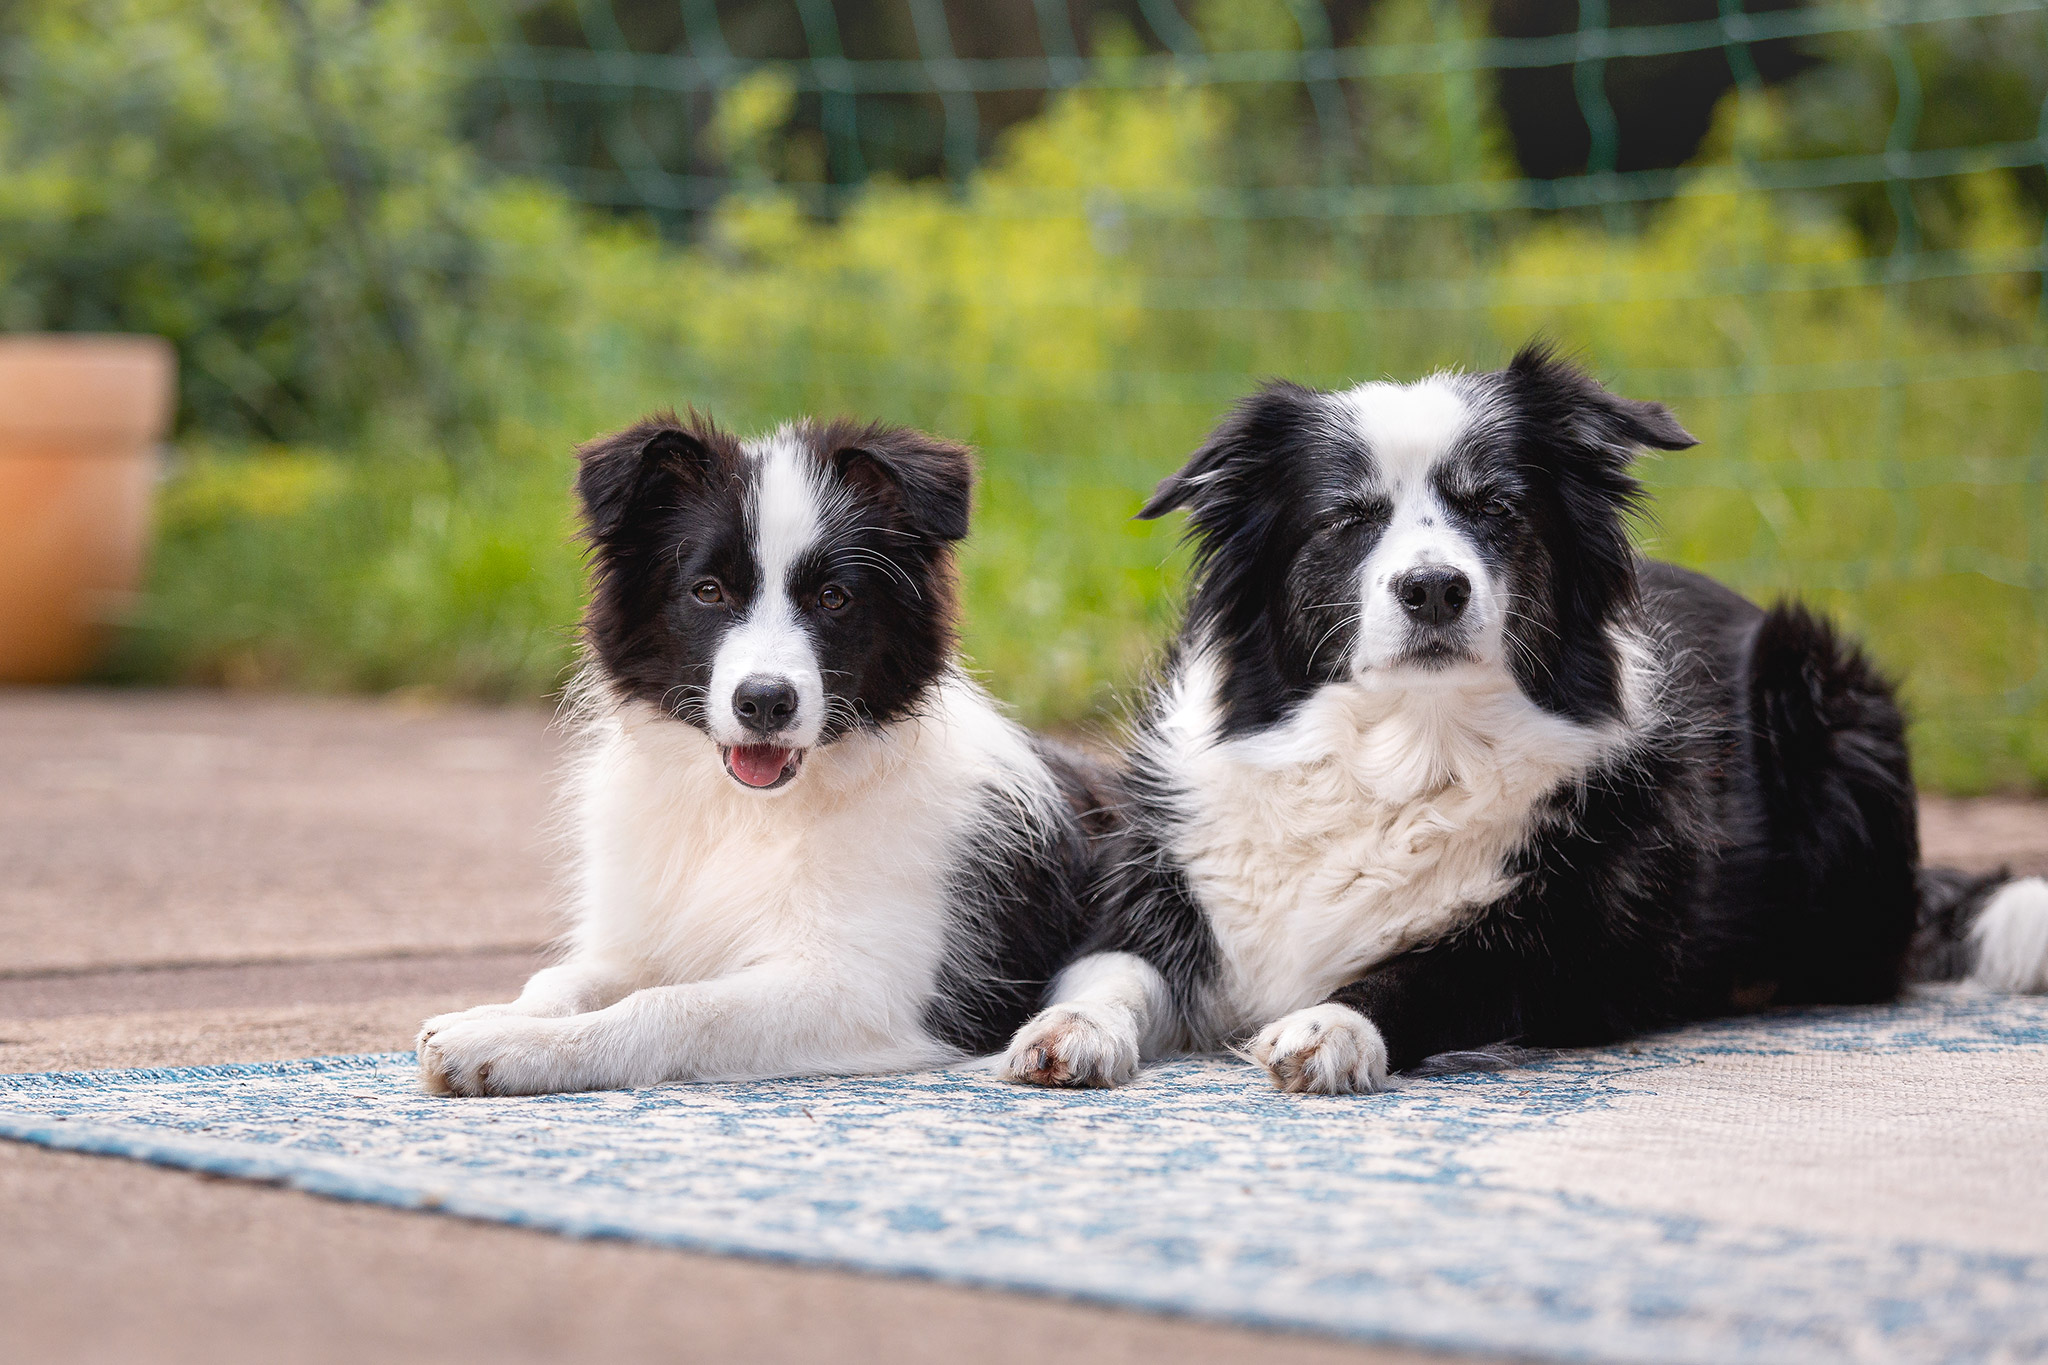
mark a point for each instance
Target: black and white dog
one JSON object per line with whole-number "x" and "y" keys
{"x": 808, "y": 843}
{"x": 1439, "y": 762}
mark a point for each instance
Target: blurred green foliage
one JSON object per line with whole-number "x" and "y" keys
{"x": 390, "y": 349}
{"x": 273, "y": 185}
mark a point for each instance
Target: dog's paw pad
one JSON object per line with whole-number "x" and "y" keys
{"x": 1323, "y": 1050}
{"x": 1071, "y": 1047}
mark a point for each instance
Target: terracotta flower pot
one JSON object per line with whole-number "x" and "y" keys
{"x": 80, "y": 419}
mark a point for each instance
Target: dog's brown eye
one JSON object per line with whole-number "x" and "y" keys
{"x": 708, "y": 592}
{"x": 832, "y": 597}
{"x": 1497, "y": 507}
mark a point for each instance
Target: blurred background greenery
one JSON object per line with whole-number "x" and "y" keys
{"x": 411, "y": 250}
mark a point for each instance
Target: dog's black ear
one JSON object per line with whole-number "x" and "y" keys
{"x": 1564, "y": 398}
{"x": 1586, "y": 438}
{"x": 928, "y": 481}
{"x": 1258, "y": 430}
{"x": 616, "y": 471}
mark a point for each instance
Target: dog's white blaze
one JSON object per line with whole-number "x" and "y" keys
{"x": 1407, "y": 426}
{"x": 1420, "y": 535}
{"x": 1409, "y": 429}
{"x": 1369, "y": 822}
{"x": 784, "y": 516}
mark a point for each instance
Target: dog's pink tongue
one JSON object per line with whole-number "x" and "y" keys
{"x": 758, "y": 765}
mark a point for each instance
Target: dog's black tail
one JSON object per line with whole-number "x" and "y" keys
{"x": 1863, "y": 916}
{"x": 1829, "y": 742}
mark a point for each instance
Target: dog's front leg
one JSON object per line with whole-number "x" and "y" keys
{"x": 577, "y": 986}
{"x": 572, "y": 987}
{"x": 1445, "y": 998}
{"x": 1109, "y": 1012}
{"x": 777, "y": 1020}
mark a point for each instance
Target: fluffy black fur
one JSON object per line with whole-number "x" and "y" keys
{"x": 1020, "y": 915}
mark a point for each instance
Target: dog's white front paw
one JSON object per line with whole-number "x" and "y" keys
{"x": 1073, "y": 1046}
{"x": 441, "y": 1021}
{"x": 1323, "y": 1050}
{"x": 498, "y": 1054}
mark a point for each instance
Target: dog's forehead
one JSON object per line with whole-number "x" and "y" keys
{"x": 788, "y": 499}
{"x": 1409, "y": 429}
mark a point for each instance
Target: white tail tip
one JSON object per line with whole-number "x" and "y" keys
{"x": 2011, "y": 939}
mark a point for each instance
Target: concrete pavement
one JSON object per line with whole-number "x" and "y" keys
{"x": 194, "y": 878}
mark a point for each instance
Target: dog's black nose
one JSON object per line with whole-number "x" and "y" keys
{"x": 1435, "y": 594}
{"x": 764, "y": 704}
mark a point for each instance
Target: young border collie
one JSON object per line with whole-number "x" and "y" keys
{"x": 1438, "y": 762}
{"x": 808, "y": 842}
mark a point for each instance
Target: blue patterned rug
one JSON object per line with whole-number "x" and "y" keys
{"x": 1806, "y": 1187}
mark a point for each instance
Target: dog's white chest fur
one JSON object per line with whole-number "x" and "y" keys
{"x": 687, "y": 877}
{"x": 690, "y": 878}
{"x": 1368, "y": 823}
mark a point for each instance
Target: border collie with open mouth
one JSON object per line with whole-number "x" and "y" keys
{"x": 808, "y": 842}
{"x": 1438, "y": 762}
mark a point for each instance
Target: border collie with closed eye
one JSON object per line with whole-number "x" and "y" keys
{"x": 808, "y": 842}
{"x": 1438, "y": 762}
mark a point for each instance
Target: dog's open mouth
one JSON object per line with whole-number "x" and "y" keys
{"x": 763, "y": 766}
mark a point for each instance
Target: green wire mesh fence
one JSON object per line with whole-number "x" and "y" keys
{"x": 1071, "y": 232}
{"x": 1116, "y": 217}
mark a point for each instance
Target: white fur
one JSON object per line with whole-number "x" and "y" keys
{"x": 1109, "y": 1011}
{"x": 1409, "y": 429}
{"x": 784, "y": 515}
{"x": 1370, "y": 821}
{"x": 2011, "y": 939}
{"x": 1408, "y": 426}
{"x": 721, "y": 937}
{"x": 1326, "y": 1049}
